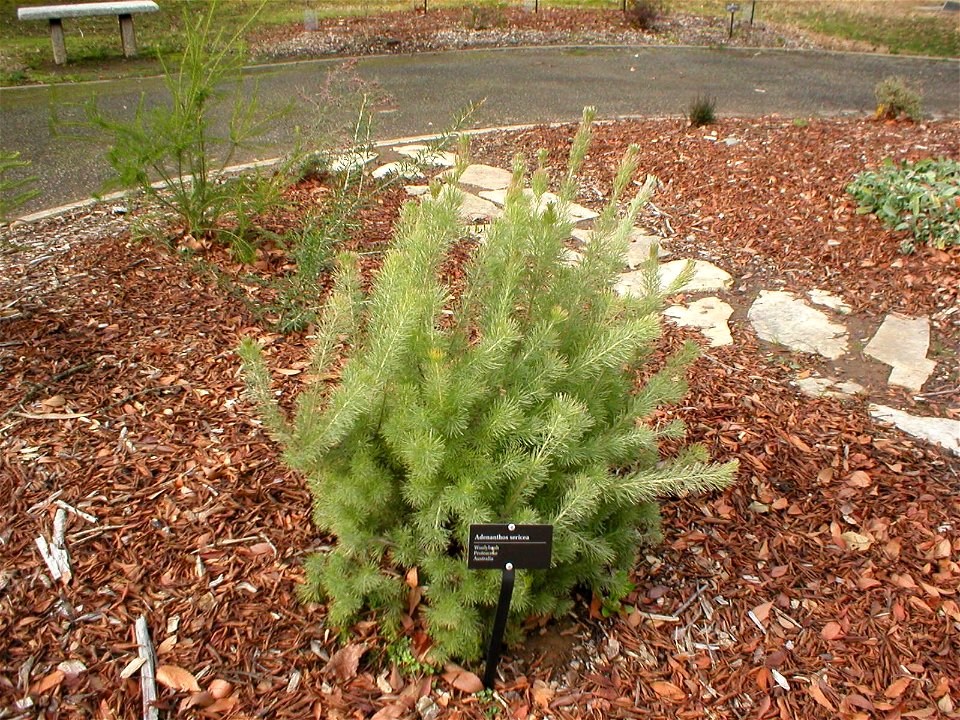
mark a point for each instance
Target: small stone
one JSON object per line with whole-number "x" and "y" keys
{"x": 780, "y": 317}
{"x": 902, "y": 342}
{"x": 476, "y": 210}
{"x": 486, "y": 177}
{"x": 940, "y": 431}
{"x": 575, "y": 213}
{"x": 731, "y": 141}
{"x": 427, "y": 709}
{"x": 416, "y": 190}
{"x": 710, "y": 314}
{"x": 119, "y": 210}
{"x": 829, "y": 300}
{"x": 707, "y": 277}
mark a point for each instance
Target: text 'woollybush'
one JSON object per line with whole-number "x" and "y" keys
{"x": 514, "y": 401}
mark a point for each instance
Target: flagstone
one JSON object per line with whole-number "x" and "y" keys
{"x": 416, "y": 190}
{"x": 829, "y": 387}
{"x": 423, "y": 154}
{"x": 940, "y": 431}
{"x": 710, "y": 314}
{"x": 782, "y": 318}
{"x": 351, "y": 161}
{"x": 575, "y": 213}
{"x": 902, "y": 342}
{"x": 486, "y": 177}
{"x": 475, "y": 209}
{"x": 829, "y": 300}
{"x": 638, "y": 251}
{"x": 405, "y": 170}
{"x": 707, "y": 277}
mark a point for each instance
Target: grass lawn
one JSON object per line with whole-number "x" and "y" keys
{"x": 93, "y": 44}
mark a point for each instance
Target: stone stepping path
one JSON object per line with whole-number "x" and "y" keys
{"x": 813, "y": 324}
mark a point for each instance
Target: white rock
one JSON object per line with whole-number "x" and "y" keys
{"x": 416, "y": 190}
{"x": 940, "y": 431}
{"x": 902, "y": 342}
{"x": 780, "y": 317}
{"x": 486, "y": 177}
{"x": 575, "y": 213}
{"x": 423, "y": 154}
{"x": 710, "y": 314}
{"x": 829, "y": 300}
{"x": 395, "y": 168}
{"x": 638, "y": 251}
{"x": 475, "y": 209}
{"x": 828, "y": 387}
{"x": 707, "y": 277}
{"x": 351, "y": 161}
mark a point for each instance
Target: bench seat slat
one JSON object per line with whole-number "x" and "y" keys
{"x": 60, "y": 12}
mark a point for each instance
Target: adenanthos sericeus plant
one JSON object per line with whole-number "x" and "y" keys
{"x": 513, "y": 401}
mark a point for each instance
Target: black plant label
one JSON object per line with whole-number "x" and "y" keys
{"x": 510, "y": 547}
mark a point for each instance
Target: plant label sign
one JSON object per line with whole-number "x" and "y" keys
{"x": 508, "y": 546}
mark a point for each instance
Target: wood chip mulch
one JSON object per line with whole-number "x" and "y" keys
{"x": 823, "y": 584}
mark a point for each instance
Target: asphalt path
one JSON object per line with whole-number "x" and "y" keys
{"x": 527, "y": 85}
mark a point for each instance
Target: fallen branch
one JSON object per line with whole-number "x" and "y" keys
{"x": 148, "y": 670}
{"x": 37, "y": 389}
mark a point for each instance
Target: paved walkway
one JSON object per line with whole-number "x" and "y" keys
{"x": 814, "y": 324}
{"x": 520, "y": 86}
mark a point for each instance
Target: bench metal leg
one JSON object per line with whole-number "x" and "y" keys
{"x": 56, "y": 37}
{"x": 127, "y": 36}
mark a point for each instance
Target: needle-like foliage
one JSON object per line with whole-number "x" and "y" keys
{"x": 521, "y": 407}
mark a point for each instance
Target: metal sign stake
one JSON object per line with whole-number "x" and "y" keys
{"x": 499, "y": 625}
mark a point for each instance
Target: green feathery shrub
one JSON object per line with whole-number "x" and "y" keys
{"x": 14, "y": 191}
{"x": 512, "y": 402}
{"x": 702, "y": 111}
{"x": 922, "y": 197}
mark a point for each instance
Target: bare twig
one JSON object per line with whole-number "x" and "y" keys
{"x": 148, "y": 671}
{"x": 37, "y": 389}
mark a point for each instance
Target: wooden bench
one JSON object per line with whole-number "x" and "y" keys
{"x": 57, "y": 13}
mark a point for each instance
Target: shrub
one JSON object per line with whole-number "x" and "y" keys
{"x": 14, "y": 191}
{"x": 484, "y": 17}
{"x": 512, "y": 402}
{"x": 644, "y": 14}
{"x": 922, "y": 197}
{"x": 895, "y": 97}
{"x": 702, "y": 111}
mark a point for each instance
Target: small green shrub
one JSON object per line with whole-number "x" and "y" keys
{"x": 14, "y": 191}
{"x": 702, "y": 111}
{"x": 644, "y": 14}
{"x": 921, "y": 197}
{"x": 896, "y": 97}
{"x": 485, "y": 17}
{"x": 512, "y": 401}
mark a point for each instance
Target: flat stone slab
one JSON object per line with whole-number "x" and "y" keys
{"x": 829, "y": 387}
{"x": 638, "y": 251}
{"x": 476, "y": 210}
{"x": 416, "y": 190}
{"x": 707, "y": 277}
{"x": 782, "y": 318}
{"x": 423, "y": 154}
{"x": 710, "y": 314}
{"x": 404, "y": 170}
{"x": 902, "y": 342}
{"x": 351, "y": 162}
{"x": 575, "y": 213}
{"x": 486, "y": 177}
{"x": 940, "y": 431}
{"x": 829, "y": 300}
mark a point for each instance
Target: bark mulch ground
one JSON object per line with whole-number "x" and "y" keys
{"x": 823, "y": 584}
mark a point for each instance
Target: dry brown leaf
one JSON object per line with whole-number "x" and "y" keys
{"x": 346, "y": 661}
{"x": 219, "y": 688}
{"x": 391, "y": 712}
{"x": 896, "y": 688}
{"x": 762, "y": 611}
{"x": 856, "y": 541}
{"x": 542, "y": 693}
{"x": 462, "y": 679}
{"x": 859, "y": 479}
{"x": 817, "y": 694}
{"x": 920, "y": 713}
{"x": 831, "y": 631}
{"x": 223, "y": 705}
{"x": 412, "y": 578}
{"x": 48, "y": 682}
{"x": 668, "y": 691}
{"x": 176, "y": 678}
